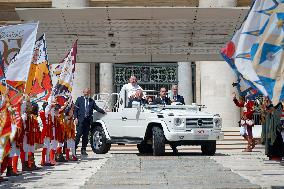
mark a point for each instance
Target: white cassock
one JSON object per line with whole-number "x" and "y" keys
{"x": 128, "y": 90}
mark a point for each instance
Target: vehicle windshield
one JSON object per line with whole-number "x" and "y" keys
{"x": 168, "y": 107}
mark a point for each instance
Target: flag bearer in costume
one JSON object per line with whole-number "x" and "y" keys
{"x": 33, "y": 133}
{"x": 57, "y": 132}
{"x": 31, "y": 127}
{"x": 16, "y": 140}
{"x": 60, "y": 131}
{"x": 247, "y": 121}
{"x": 46, "y": 135}
{"x": 70, "y": 133}
{"x": 50, "y": 123}
{"x": 5, "y": 130}
{"x": 26, "y": 104}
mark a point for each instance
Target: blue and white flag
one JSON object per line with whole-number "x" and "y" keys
{"x": 256, "y": 50}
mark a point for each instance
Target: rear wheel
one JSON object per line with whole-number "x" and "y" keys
{"x": 209, "y": 148}
{"x": 98, "y": 141}
{"x": 158, "y": 141}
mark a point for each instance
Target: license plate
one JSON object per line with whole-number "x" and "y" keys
{"x": 201, "y": 132}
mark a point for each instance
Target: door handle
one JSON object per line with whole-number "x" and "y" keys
{"x": 124, "y": 118}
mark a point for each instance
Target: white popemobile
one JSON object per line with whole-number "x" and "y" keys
{"x": 153, "y": 126}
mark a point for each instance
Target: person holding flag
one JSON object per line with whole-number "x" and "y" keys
{"x": 246, "y": 121}
{"x": 5, "y": 131}
{"x": 46, "y": 135}
{"x": 70, "y": 133}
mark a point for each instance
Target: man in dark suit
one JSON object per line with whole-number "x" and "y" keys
{"x": 83, "y": 116}
{"x": 175, "y": 96}
{"x": 137, "y": 99}
{"x": 162, "y": 99}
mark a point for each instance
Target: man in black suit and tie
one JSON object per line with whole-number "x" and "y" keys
{"x": 83, "y": 116}
{"x": 162, "y": 99}
{"x": 175, "y": 96}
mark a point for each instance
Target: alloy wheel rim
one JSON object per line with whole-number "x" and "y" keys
{"x": 97, "y": 140}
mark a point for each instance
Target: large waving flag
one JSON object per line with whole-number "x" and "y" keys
{"x": 39, "y": 84}
{"x": 24, "y": 37}
{"x": 256, "y": 49}
{"x": 17, "y": 50}
{"x": 65, "y": 69}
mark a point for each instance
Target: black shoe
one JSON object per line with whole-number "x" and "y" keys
{"x": 84, "y": 153}
{"x": 61, "y": 158}
{"x": 10, "y": 172}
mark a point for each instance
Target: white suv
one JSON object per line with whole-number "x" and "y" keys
{"x": 153, "y": 126}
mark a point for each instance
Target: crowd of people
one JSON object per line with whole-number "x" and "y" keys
{"x": 51, "y": 127}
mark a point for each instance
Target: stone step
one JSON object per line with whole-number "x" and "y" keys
{"x": 219, "y": 146}
{"x": 230, "y": 133}
{"x": 230, "y": 129}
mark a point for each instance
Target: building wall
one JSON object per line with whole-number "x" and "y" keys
{"x": 214, "y": 81}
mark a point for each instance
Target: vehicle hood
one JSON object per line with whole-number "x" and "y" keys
{"x": 185, "y": 113}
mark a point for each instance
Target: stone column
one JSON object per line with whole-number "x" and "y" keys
{"x": 216, "y": 78}
{"x": 198, "y": 83}
{"x": 93, "y": 78}
{"x": 185, "y": 81}
{"x": 106, "y": 77}
{"x": 82, "y": 73}
{"x": 81, "y": 79}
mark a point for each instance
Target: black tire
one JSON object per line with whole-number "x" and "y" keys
{"x": 158, "y": 141}
{"x": 144, "y": 148}
{"x": 98, "y": 141}
{"x": 209, "y": 148}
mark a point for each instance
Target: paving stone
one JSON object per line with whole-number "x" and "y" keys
{"x": 133, "y": 171}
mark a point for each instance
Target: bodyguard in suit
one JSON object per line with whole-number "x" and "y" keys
{"x": 162, "y": 99}
{"x": 175, "y": 97}
{"x": 83, "y": 116}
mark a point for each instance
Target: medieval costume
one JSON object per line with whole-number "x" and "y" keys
{"x": 70, "y": 133}
{"x": 31, "y": 136}
{"x": 58, "y": 133}
{"x": 33, "y": 133}
{"x": 46, "y": 136}
{"x": 5, "y": 131}
{"x": 17, "y": 143}
{"x": 247, "y": 121}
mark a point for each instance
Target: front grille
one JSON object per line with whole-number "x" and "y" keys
{"x": 199, "y": 123}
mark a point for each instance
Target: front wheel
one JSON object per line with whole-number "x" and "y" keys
{"x": 98, "y": 141}
{"x": 209, "y": 148}
{"x": 158, "y": 141}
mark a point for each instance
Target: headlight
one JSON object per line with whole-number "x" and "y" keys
{"x": 177, "y": 121}
{"x": 218, "y": 122}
